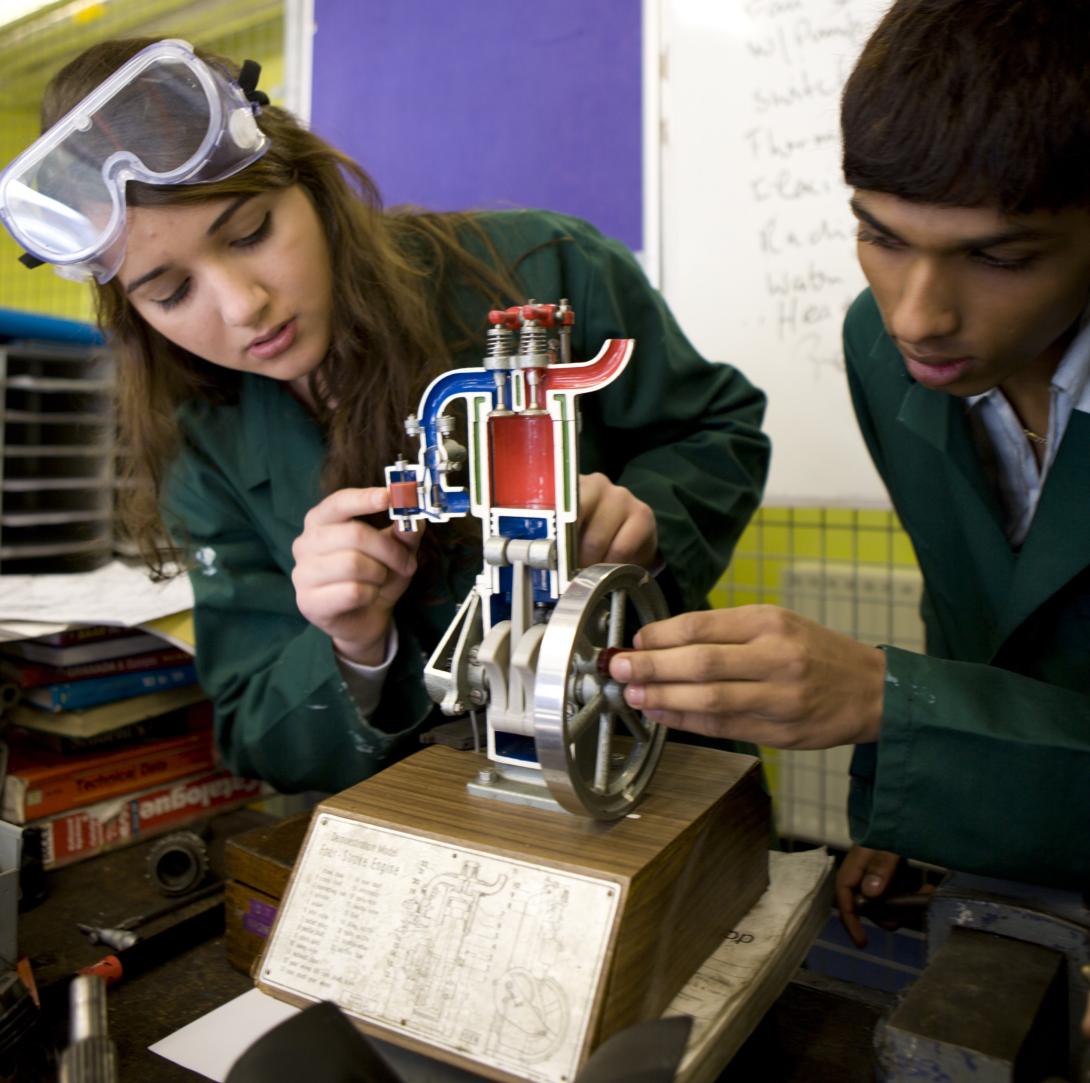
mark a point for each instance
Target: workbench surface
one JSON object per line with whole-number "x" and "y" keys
{"x": 818, "y": 1029}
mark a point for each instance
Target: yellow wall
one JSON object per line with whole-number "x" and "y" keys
{"x": 39, "y": 290}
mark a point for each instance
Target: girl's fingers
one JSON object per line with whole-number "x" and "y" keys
{"x": 346, "y": 566}
{"x": 338, "y": 604}
{"x": 317, "y": 545}
{"x": 346, "y": 504}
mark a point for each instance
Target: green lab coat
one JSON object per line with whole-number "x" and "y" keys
{"x": 678, "y": 431}
{"x": 984, "y": 758}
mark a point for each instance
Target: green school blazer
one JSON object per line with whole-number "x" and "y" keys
{"x": 984, "y": 759}
{"x": 682, "y": 433}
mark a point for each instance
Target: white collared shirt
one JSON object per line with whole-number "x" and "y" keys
{"x": 1001, "y": 437}
{"x": 365, "y": 683}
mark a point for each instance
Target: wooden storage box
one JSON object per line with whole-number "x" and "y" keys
{"x": 258, "y": 863}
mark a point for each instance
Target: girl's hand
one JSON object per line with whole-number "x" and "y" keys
{"x": 616, "y": 527}
{"x": 348, "y": 575}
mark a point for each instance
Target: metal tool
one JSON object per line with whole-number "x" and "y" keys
{"x": 1002, "y": 996}
{"x": 122, "y": 936}
{"x": 892, "y": 909}
{"x": 118, "y": 939}
{"x": 90, "y": 1056}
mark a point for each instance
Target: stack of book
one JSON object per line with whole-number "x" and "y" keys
{"x": 111, "y": 742}
{"x": 86, "y": 667}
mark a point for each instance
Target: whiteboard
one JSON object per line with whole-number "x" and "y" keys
{"x": 757, "y": 242}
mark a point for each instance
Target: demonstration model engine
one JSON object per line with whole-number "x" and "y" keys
{"x": 531, "y": 643}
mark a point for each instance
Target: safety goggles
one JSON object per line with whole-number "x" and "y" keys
{"x": 164, "y": 117}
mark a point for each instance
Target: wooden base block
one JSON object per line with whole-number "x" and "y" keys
{"x": 508, "y": 939}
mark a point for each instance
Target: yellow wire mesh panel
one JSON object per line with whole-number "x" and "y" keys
{"x": 854, "y": 571}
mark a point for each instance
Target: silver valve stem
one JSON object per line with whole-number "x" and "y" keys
{"x": 564, "y": 329}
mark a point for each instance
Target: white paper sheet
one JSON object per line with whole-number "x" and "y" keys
{"x": 114, "y": 594}
{"x": 211, "y": 1045}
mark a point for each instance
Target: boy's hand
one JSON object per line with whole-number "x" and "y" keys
{"x": 862, "y": 872}
{"x": 756, "y": 673}
{"x": 616, "y": 527}
{"x": 348, "y": 575}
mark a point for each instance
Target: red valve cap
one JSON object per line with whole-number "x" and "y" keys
{"x": 607, "y": 655}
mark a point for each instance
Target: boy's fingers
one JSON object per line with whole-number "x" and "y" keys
{"x": 702, "y": 662}
{"x": 847, "y": 884}
{"x": 710, "y": 698}
{"x": 879, "y": 871}
{"x": 714, "y": 626}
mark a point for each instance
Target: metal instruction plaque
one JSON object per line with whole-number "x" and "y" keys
{"x": 488, "y": 957}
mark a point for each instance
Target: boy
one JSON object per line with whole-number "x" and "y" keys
{"x": 966, "y": 128}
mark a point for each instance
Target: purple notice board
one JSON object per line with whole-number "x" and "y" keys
{"x": 461, "y": 104}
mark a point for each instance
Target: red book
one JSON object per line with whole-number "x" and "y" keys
{"x": 35, "y": 675}
{"x": 86, "y": 832}
{"x": 41, "y": 782}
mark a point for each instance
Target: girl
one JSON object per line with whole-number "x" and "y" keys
{"x": 273, "y": 328}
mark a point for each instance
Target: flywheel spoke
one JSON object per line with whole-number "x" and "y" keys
{"x": 582, "y": 718}
{"x": 617, "y": 602}
{"x": 605, "y": 749}
{"x": 635, "y": 723}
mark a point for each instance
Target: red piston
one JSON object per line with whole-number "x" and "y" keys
{"x": 523, "y": 471}
{"x": 403, "y": 495}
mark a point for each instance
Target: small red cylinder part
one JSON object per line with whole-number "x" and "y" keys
{"x": 403, "y": 495}
{"x": 523, "y": 471}
{"x": 606, "y": 656}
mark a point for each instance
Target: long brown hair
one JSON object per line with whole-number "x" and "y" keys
{"x": 386, "y": 341}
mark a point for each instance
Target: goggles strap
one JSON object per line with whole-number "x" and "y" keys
{"x": 247, "y": 80}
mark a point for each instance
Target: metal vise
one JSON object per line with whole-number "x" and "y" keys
{"x": 1002, "y": 996}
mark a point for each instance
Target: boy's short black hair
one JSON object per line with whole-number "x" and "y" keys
{"x": 973, "y": 103}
